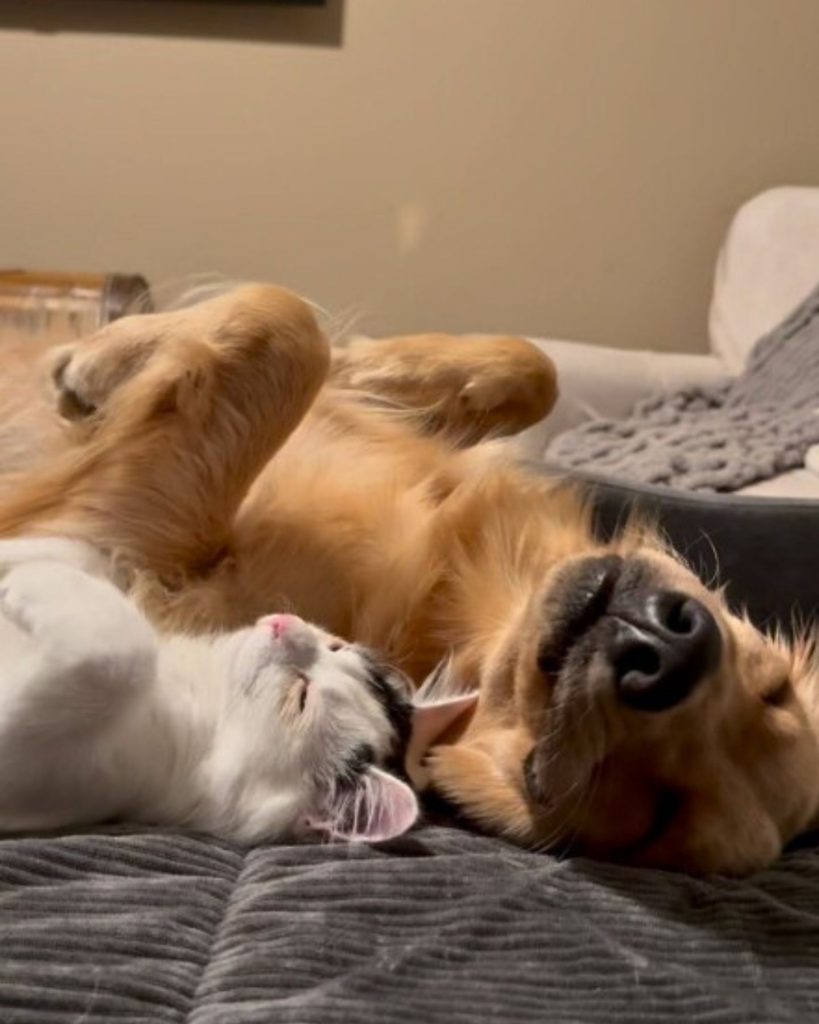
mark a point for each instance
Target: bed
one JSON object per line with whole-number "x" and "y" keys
{"x": 440, "y": 926}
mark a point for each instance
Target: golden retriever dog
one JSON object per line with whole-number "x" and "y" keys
{"x": 231, "y": 464}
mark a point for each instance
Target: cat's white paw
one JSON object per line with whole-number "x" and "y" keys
{"x": 80, "y": 622}
{"x": 13, "y": 608}
{"x": 39, "y": 596}
{"x": 76, "y": 553}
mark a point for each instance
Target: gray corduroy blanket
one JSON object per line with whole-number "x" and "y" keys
{"x": 441, "y": 926}
{"x": 717, "y": 438}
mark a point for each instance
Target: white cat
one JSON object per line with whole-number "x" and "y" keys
{"x": 274, "y": 730}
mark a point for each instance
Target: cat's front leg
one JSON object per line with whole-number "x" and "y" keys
{"x": 76, "y": 553}
{"x": 77, "y": 648}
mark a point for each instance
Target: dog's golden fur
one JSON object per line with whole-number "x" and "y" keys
{"x": 227, "y": 475}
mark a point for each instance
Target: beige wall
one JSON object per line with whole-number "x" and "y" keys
{"x": 561, "y": 167}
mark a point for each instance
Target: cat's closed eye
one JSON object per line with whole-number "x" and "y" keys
{"x": 303, "y": 687}
{"x": 336, "y": 645}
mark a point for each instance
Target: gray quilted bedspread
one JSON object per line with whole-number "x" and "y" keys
{"x": 440, "y": 926}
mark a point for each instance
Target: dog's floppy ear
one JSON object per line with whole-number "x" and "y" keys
{"x": 430, "y": 720}
{"x": 378, "y": 807}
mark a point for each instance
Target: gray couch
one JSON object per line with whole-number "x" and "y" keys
{"x": 768, "y": 263}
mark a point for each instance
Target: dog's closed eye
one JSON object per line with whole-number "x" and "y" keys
{"x": 667, "y": 807}
{"x": 779, "y": 695}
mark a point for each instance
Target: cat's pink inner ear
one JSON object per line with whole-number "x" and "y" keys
{"x": 429, "y": 722}
{"x": 380, "y": 807}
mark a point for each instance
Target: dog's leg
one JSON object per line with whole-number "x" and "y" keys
{"x": 469, "y": 386}
{"x": 177, "y": 414}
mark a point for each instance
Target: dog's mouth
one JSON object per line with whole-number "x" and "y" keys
{"x": 578, "y": 601}
{"x": 618, "y": 641}
{"x": 575, "y": 604}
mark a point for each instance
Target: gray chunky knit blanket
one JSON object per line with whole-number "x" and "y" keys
{"x": 721, "y": 437}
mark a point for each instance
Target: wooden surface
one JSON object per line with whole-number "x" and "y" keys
{"x": 66, "y": 305}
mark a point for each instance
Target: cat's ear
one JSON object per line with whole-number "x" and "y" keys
{"x": 430, "y": 720}
{"x": 377, "y": 808}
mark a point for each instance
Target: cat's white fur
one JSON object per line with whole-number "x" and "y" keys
{"x": 252, "y": 734}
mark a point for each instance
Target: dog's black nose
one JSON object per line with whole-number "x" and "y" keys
{"x": 663, "y": 644}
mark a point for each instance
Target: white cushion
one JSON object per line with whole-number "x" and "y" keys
{"x": 768, "y": 263}
{"x": 796, "y": 483}
{"x": 604, "y": 383}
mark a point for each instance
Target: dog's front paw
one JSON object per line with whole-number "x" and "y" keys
{"x": 85, "y": 374}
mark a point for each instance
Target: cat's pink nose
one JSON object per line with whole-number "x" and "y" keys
{"x": 282, "y": 624}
